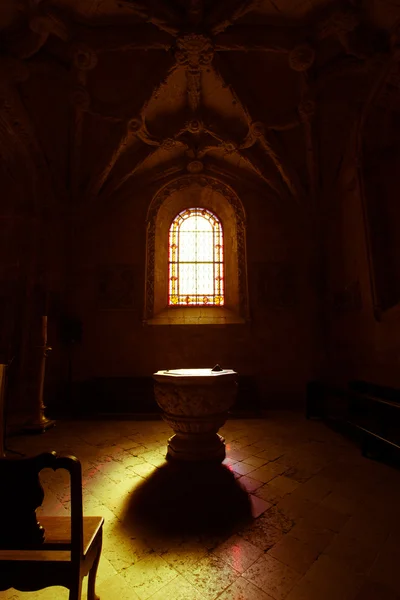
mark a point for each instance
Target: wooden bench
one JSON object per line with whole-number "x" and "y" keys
{"x": 371, "y": 411}
{"x": 55, "y": 551}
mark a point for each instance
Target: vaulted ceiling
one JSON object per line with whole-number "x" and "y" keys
{"x": 98, "y": 94}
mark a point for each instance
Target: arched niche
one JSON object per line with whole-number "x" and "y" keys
{"x": 190, "y": 192}
{"x": 379, "y": 150}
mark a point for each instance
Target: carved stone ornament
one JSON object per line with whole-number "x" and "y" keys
{"x": 194, "y": 126}
{"x": 196, "y": 166}
{"x": 162, "y": 195}
{"x": 306, "y": 109}
{"x": 339, "y": 23}
{"x": 80, "y": 98}
{"x": 85, "y": 58}
{"x": 168, "y": 144}
{"x": 134, "y": 125}
{"x": 49, "y": 24}
{"x": 302, "y": 57}
{"x": 228, "y": 147}
{"x": 257, "y": 129}
{"x": 194, "y": 50}
{"x": 19, "y": 125}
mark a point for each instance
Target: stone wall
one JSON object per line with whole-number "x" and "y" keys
{"x": 362, "y": 339}
{"x": 97, "y": 113}
{"x": 276, "y": 346}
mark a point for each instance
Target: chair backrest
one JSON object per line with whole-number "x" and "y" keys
{"x": 22, "y": 493}
{"x": 3, "y": 369}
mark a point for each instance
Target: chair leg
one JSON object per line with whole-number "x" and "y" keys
{"x": 75, "y": 591}
{"x": 93, "y": 572}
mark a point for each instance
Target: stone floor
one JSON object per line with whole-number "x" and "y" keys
{"x": 325, "y": 520}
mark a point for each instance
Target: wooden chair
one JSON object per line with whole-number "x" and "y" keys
{"x": 56, "y": 551}
{"x": 3, "y": 370}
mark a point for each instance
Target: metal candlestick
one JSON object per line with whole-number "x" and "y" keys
{"x": 40, "y": 423}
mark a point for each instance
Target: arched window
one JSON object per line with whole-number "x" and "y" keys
{"x": 196, "y": 255}
{"x": 196, "y": 269}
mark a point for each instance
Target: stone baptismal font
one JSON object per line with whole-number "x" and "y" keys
{"x": 195, "y": 403}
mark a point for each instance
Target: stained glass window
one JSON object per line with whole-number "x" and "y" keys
{"x": 196, "y": 269}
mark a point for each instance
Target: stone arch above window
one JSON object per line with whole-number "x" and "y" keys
{"x": 174, "y": 198}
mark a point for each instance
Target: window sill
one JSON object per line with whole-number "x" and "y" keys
{"x": 196, "y": 316}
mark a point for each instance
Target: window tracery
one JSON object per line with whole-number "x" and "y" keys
{"x": 196, "y": 268}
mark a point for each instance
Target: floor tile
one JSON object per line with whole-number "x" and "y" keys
{"x": 262, "y": 535}
{"x": 315, "y": 489}
{"x": 255, "y": 461}
{"x": 122, "y": 552}
{"x": 327, "y": 518}
{"x": 238, "y": 455}
{"x": 353, "y": 553}
{"x": 242, "y": 468}
{"x": 211, "y": 576}
{"x": 267, "y": 472}
{"x": 242, "y": 589}
{"x": 272, "y": 576}
{"x": 269, "y": 493}
{"x": 258, "y": 506}
{"x": 361, "y": 526}
{"x": 294, "y": 553}
{"x": 185, "y": 556}
{"x": 144, "y": 470}
{"x": 271, "y": 452}
{"x": 323, "y": 517}
{"x": 284, "y": 484}
{"x": 154, "y": 458}
{"x": 327, "y": 580}
{"x": 385, "y": 569}
{"x": 249, "y": 484}
{"x": 238, "y": 553}
{"x": 371, "y": 590}
{"x": 178, "y": 589}
{"x": 257, "y": 448}
{"x": 277, "y": 518}
{"x": 295, "y": 508}
{"x": 317, "y": 538}
{"x": 106, "y": 570}
{"x": 229, "y": 462}
{"x": 116, "y": 587}
{"x": 149, "y": 575}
